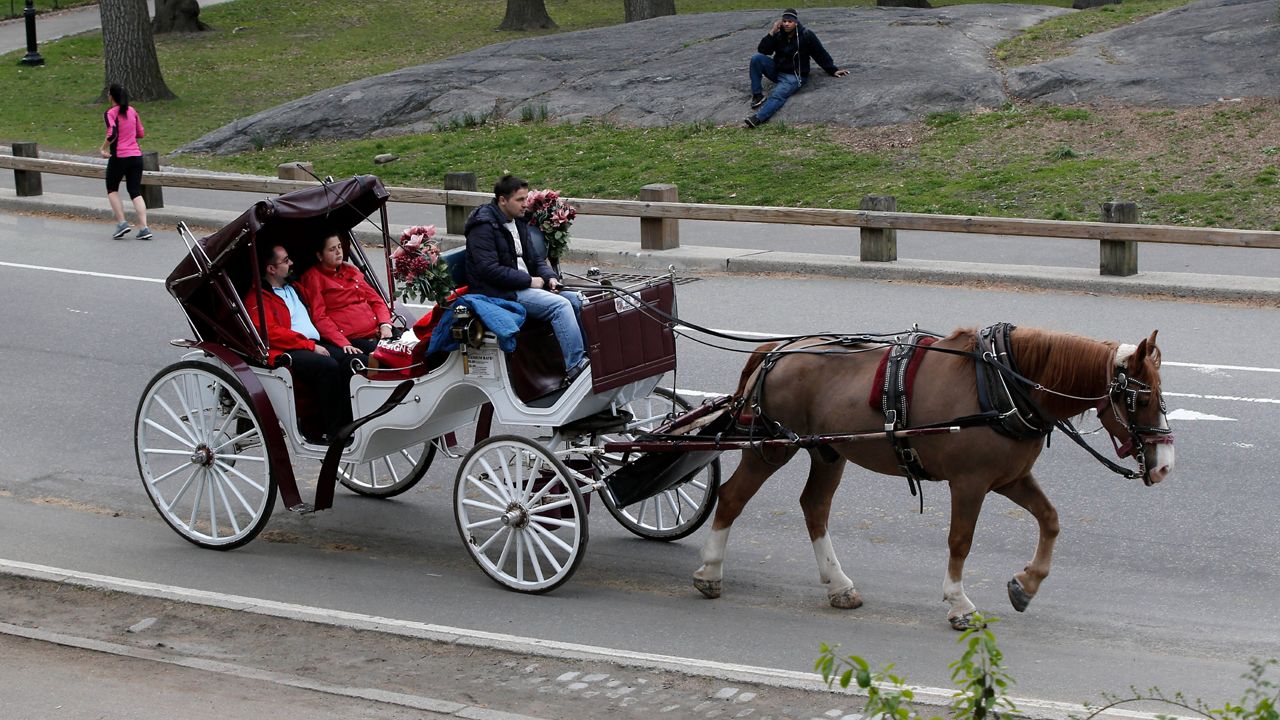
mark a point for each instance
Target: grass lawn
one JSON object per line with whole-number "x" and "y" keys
{"x": 1211, "y": 166}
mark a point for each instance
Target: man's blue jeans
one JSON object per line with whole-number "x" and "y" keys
{"x": 562, "y": 311}
{"x": 787, "y": 84}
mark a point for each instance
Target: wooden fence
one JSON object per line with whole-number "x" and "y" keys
{"x": 660, "y": 214}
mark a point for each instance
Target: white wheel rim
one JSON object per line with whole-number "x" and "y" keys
{"x": 518, "y": 516}
{"x": 202, "y": 459}
{"x": 384, "y": 474}
{"x": 670, "y": 511}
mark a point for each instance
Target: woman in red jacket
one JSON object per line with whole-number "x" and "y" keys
{"x": 345, "y": 309}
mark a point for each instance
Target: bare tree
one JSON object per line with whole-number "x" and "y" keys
{"x": 645, "y": 9}
{"x": 177, "y": 16}
{"x": 527, "y": 15}
{"x": 129, "y": 49}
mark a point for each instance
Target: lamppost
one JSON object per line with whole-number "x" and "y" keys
{"x": 33, "y": 56}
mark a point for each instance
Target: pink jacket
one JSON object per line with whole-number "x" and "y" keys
{"x": 342, "y": 304}
{"x": 123, "y": 132}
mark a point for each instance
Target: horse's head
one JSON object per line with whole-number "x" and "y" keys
{"x": 1134, "y": 411}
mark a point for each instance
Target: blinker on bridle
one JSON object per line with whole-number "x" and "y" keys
{"x": 1125, "y": 390}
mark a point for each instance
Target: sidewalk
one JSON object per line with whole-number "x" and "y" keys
{"x": 51, "y": 26}
{"x": 85, "y": 202}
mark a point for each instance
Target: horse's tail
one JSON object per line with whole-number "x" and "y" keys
{"x": 753, "y": 363}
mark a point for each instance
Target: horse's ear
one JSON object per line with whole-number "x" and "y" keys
{"x": 1153, "y": 349}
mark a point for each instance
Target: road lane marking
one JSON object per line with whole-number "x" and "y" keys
{"x": 696, "y": 667}
{"x": 1233, "y": 398}
{"x": 69, "y": 271}
{"x": 1181, "y": 414}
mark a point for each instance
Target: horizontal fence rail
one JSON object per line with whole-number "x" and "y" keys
{"x": 653, "y": 210}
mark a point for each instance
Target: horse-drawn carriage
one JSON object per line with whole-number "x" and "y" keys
{"x": 215, "y": 432}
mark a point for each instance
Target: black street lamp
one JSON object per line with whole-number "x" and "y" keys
{"x": 33, "y": 56}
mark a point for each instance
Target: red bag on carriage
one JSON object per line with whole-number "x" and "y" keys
{"x": 391, "y": 360}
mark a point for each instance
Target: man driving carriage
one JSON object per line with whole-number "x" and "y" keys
{"x": 291, "y": 334}
{"x": 503, "y": 263}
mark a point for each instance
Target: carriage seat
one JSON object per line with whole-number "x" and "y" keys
{"x": 536, "y": 367}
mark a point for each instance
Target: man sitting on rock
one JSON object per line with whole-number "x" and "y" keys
{"x": 783, "y": 57}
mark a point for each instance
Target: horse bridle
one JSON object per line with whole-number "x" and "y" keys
{"x": 1124, "y": 390}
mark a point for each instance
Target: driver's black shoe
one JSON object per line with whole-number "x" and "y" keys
{"x": 756, "y": 101}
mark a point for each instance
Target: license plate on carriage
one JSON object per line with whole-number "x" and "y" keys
{"x": 481, "y": 364}
{"x": 623, "y": 303}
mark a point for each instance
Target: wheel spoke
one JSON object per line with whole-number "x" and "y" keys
{"x": 506, "y": 548}
{"x": 484, "y": 506}
{"x": 568, "y": 500}
{"x": 533, "y": 557}
{"x": 152, "y": 423}
{"x": 181, "y": 491}
{"x": 236, "y": 439}
{"x": 482, "y": 523}
{"x": 235, "y": 491}
{"x": 195, "y": 506}
{"x": 504, "y": 530}
{"x": 213, "y": 507}
{"x": 554, "y": 522}
{"x": 537, "y": 497}
{"x": 496, "y": 479}
{"x": 546, "y": 552}
{"x": 226, "y": 505}
{"x": 176, "y": 420}
{"x": 519, "y": 555}
{"x": 551, "y": 536}
{"x": 169, "y": 474}
{"x": 484, "y": 487}
{"x": 183, "y": 393}
{"x": 231, "y": 469}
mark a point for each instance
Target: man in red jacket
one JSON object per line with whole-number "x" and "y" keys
{"x": 291, "y": 334}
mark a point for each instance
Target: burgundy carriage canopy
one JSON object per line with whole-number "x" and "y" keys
{"x": 297, "y": 220}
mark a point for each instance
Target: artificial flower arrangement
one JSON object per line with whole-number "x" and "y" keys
{"x": 417, "y": 268}
{"x": 553, "y": 215}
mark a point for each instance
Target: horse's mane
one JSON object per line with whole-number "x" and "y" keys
{"x": 1063, "y": 363}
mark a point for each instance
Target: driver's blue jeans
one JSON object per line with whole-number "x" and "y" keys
{"x": 787, "y": 84}
{"x": 562, "y": 310}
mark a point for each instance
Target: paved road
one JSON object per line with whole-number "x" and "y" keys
{"x": 1169, "y": 585}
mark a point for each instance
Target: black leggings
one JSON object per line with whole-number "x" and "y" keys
{"x": 130, "y": 170}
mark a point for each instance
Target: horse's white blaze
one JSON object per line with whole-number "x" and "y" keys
{"x": 829, "y": 565}
{"x": 713, "y": 555}
{"x": 953, "y": 593}
{"x": 1163, "y": 465}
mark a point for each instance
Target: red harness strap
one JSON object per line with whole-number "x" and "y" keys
{"x": 874, "y": 398}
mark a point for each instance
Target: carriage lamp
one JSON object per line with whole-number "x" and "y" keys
{"x": 467, "y": 328}
{"x": 33, "y": 56}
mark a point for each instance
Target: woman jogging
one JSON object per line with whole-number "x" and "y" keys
{"x": 124, "y": 160}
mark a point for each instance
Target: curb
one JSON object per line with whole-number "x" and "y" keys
{"x": 772, "y": 677}
{"x": 1152, "y": 285}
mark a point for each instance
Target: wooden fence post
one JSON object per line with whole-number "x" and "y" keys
{"x": 878, "y": 244}
{"x": 26, "y": 183}
{"x": 1118, "y": 257}
{"x": 152, "y": 195}
{"x": 455, "y": 216}
{"x": 659, "y": 233}
{"x": 295, "y": 171}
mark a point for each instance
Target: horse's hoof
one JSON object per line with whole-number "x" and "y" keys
{"x": 962, "y": 622}
{"x": 847, "y": 599}
{"x": 710, "y": 589}
{"x": 1017, "y": 596}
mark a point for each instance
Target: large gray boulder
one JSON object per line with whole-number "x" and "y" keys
{"x": 679, "y": 69}
{"x": 903, "y": 63}
{"x": 1192, "y": 55}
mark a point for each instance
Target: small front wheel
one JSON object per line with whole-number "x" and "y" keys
{"x": 202, "y": 455}
{"x": 520, "y": 514}
{"x": 388, "y": 475}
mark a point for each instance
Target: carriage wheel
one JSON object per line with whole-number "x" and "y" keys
{"x": 678, "y": 511}
{"x": 201, "y": 455}
{"x": 388, "y": 475}
{"x": 520, "y": 514}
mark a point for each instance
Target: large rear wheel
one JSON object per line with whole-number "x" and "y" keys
{"x": 520, "y": 514}
{"x": 673, "y": 513}
{"x": 202, "y": 456}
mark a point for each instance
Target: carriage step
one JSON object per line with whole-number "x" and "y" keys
{"x": 599, "y": 422}
{"x": 302, "y": 508}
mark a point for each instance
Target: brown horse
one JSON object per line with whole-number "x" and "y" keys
{"x": 816, "y": 386}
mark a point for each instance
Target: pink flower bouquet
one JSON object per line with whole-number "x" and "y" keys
{"x": 553, "y": 215}
{"x": 416, "y": 266}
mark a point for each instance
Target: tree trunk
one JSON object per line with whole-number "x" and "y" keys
{"x": 527, "y": 15}
{"x": 177, "y": 16}
{"x": 645, "y": 9}
{"x": 129, "y": 50}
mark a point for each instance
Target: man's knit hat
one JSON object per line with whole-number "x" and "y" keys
{"x": 790, "y": 14}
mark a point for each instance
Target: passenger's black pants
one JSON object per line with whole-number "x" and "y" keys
{"x": 328, "y": 381}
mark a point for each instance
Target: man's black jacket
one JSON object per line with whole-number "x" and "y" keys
{"x": 790, "y": 53}
{"x": 491, "y": 255}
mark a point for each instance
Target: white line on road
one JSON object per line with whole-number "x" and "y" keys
{"x": 69, "y": 271}
{"x": 775, "y": 677}
{"x": 1232, "y": 398}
